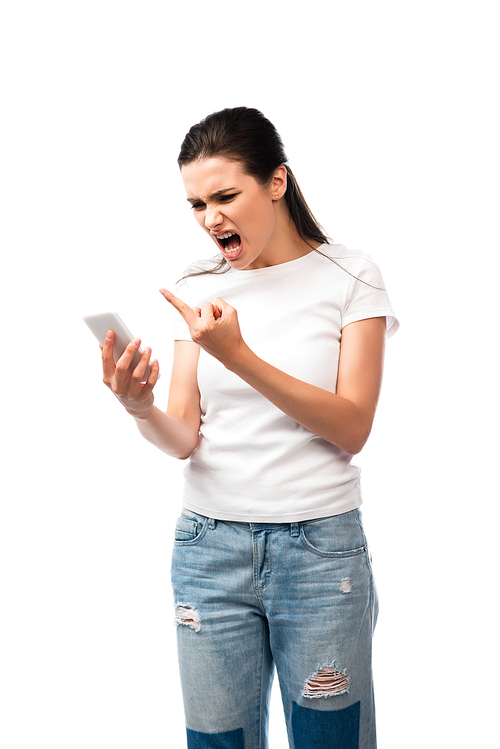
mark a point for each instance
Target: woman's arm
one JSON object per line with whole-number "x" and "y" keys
{"x": 175, "y": 432}
{"x": 345, "y": 418}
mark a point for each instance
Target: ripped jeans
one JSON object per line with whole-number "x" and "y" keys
{"x": 296, "y": 596}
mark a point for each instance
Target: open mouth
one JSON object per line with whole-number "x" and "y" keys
{"x": 229, "y": 243}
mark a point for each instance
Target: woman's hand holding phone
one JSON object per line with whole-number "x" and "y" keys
{"x": 134, "y": 394}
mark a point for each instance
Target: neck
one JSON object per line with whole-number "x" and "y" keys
{"x": 286, "y": 244}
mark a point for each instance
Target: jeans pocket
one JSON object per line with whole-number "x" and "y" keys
{"x": 190, "y": 528}
{"x": 337, "y": 536}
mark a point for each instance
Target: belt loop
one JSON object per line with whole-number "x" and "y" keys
{"x": 211, "y": 524}
{"x": 294, "y": 529}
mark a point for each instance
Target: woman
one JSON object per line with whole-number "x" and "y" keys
{"x": 277, "y": 370}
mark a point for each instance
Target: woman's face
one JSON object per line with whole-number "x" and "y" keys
{"x": 235, "y": 210}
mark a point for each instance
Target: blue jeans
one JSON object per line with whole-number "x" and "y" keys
{"x": 296, "y": 596}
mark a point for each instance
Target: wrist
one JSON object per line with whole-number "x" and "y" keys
{"x": 239, "y": 358}
{"x": 143, "y": 416}
{"x": 141, "y": 410}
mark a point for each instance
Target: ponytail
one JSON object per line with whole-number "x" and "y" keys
{"x": 300, "y": 213}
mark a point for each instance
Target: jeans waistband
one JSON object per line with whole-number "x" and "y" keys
{"x": 294, "y": 527}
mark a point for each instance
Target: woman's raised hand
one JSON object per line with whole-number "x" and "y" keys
{"x": 214, "y": 326}
{"x": 134, "y": 394}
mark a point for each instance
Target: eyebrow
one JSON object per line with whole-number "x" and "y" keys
{"x": 213, "y": 195}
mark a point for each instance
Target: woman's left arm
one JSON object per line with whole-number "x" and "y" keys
{"x": 343, "y": 418}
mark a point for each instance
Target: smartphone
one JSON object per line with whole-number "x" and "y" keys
{"x": 101, "y": 323}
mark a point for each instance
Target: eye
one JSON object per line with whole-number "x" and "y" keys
{"x": 197, "y": 206}
{"x": 227, "y": 198}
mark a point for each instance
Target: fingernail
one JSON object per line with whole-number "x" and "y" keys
{"x": 136, "y": 341}
{"x": 109, "y": 335}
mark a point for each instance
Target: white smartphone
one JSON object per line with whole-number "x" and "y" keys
{"x": 101, "y": 323}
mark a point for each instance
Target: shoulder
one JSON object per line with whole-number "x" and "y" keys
{"x": 349, "y": 259}
{"x": 349, "y": 266}
{"x": 365, "y": 292}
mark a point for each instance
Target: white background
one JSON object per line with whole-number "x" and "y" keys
{"x": 388, "y": 111}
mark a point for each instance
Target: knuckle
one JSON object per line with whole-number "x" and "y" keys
{"x": 115, "y": 386}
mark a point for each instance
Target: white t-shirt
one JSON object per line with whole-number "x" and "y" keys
{"x": 253, "y": 462}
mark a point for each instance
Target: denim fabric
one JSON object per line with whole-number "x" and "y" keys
{"x": 296, "y": 596}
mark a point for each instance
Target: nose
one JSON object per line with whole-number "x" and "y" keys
{"x": 213, "y": 217}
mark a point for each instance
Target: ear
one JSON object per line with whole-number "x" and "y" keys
{"x": 278, "y": 183}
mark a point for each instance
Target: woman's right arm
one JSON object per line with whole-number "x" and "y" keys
{"x": 175, "y": 432}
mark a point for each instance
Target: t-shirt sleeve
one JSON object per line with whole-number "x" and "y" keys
{"x": 368, "y": 297}
{"x": 180, "y": 327}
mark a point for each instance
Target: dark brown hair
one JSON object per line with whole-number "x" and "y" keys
{"x": 245, "y": 135}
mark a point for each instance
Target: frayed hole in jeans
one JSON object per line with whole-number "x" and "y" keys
{"x": 328, "y": 681}
{"x": 345, "y": 585}
{"x": 187, "y": 615}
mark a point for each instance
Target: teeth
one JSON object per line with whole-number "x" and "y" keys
{"x": 226, "y": 235}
